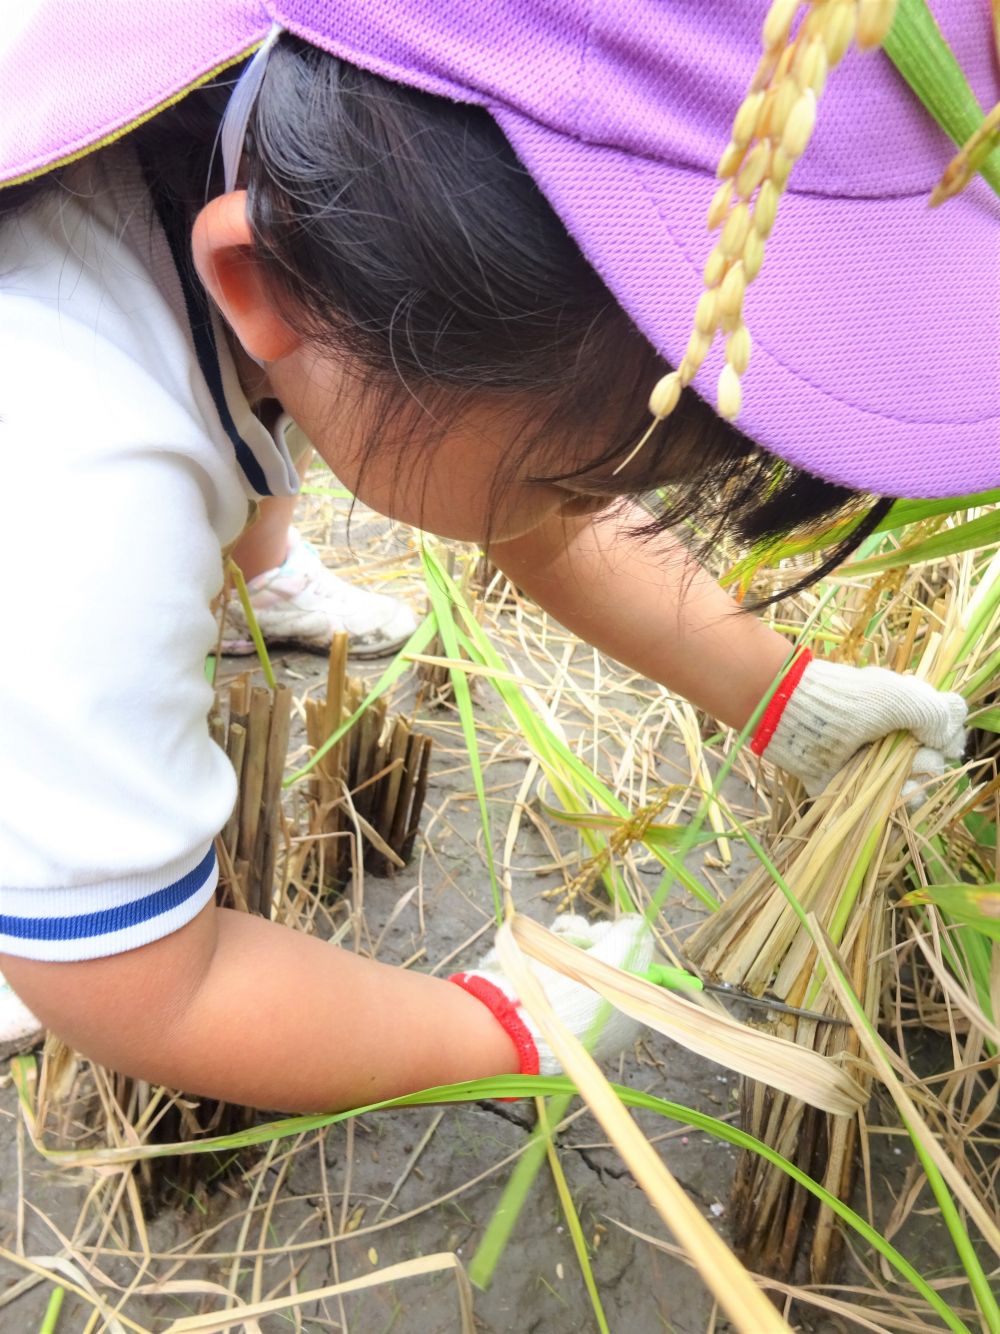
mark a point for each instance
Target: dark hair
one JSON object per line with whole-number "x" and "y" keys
{"x": 404, "y": 234}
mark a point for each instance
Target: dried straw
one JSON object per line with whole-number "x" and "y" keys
{"x": 372, "y": 780}
{"x": 727, "y": 1280}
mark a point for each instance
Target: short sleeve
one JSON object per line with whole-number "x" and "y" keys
{"x": 112, "y": 788}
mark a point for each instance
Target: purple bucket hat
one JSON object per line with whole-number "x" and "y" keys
{"x": 876, "y": 321}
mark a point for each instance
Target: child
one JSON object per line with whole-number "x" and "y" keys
{"x": 395, "y": 267}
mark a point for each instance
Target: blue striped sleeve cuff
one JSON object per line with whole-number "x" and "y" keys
{"x": 90, "y": 922}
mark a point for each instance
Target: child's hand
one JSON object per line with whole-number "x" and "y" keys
{"x": 628, "y": 941}
{"x": 822, "y": 712}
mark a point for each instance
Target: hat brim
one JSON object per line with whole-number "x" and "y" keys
{"x": 875, "y": 322}
{"x": 82, "y": 76}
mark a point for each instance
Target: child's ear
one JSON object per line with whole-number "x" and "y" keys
{"x": 226, "y": 264}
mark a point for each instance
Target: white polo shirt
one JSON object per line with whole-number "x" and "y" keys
{"x": 128, "y": 453}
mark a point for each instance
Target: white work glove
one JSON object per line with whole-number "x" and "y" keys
{"x": 823, "y": 712}
{"x": 626, "y": 941}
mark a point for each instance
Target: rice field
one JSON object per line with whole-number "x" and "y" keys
{"x": 858, "y": 1194}
{"x": 816, "y": 1149}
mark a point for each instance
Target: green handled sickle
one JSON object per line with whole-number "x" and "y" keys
{"x": 679, "y": 979}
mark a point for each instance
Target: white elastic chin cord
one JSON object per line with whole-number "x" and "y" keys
{"x": 233, "y": 130}
{"x": 236, "y": 117}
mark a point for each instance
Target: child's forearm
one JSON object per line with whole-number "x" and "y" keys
{"x": 234, "y": 1007}
{"x": 650, "y": 606}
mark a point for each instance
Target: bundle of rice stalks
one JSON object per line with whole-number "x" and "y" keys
{"x": 840, "y": 859}
{"x": 370, "y": 784}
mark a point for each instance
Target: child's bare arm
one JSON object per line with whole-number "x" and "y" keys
{"x": 238, "y": 1008}
{"x": 654, "y": 609}
{"x": 650, "y": 606}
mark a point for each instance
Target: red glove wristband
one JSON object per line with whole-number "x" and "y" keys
{"x": 771, "y": 716}
{"x": 505, "y": 1012}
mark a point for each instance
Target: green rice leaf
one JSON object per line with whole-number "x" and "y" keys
{"x": 51, "y": 1317}
{"x": 905, "y": 512}
{"x": 900, "y": 517}
{"x": 982, "y": 828}
{"x": 977, "y": 906}
{"x": 918, "y": 49}
{"x": 444, "y": 615}
{"x": 572, "y": 1220}
{"x": 983, "y": 531}
{"x": 236, "y": 574}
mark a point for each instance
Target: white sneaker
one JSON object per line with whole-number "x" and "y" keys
{"x": 302, "y": 602}
{"x": 19, "y": 1029}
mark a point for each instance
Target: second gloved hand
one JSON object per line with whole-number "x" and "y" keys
{"x": 823, "y": 712}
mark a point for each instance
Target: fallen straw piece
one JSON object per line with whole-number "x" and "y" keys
{"x": 734, "y": 1289}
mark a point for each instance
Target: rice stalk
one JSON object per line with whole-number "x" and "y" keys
{"x": 252, "y": 725}
{"x": 968, "y": 160}
{"x": 516, "y": 1191}
{"x": 941, "y": 1172}
{"x": 372, "y": 780}
{"x": 444, "y": 617}
{"x": 942, "y": 1107}
{"x": 576, "y": 786}
{"x": 417, "y": 642}
{"x": 770, "y": 132}
{"x": 852, "y": 1314}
